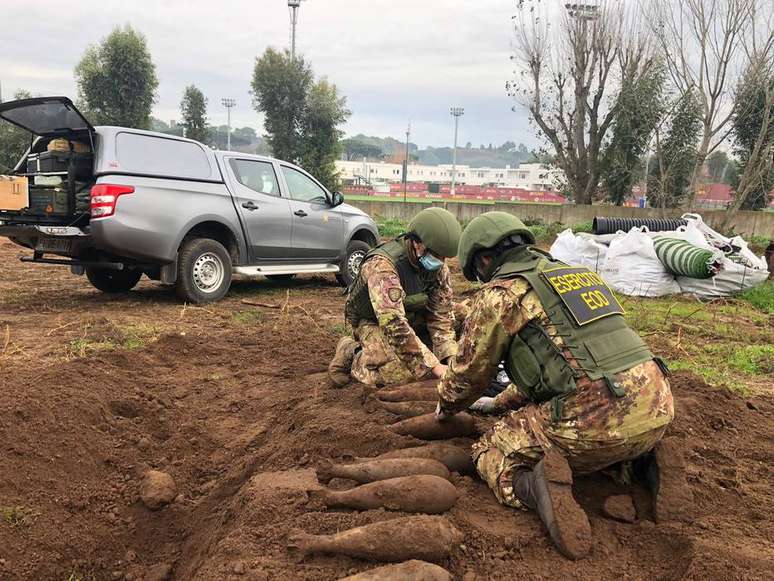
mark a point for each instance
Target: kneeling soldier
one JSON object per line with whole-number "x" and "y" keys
{"x": 400, "y": 307}
{"x": 588, "y": 391}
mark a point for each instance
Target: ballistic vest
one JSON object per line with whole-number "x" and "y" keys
{"x": 417, "y": 283}
{"x": 584, "y": 313}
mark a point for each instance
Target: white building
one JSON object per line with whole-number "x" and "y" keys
{"x": 529, "y": 176}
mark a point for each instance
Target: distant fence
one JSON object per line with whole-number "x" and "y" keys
{"x": 745, "y": 223}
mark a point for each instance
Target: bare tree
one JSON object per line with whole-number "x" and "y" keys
{"x": 753, "y": 121}
{"x": 567, "y": 79}
{"x": 701, "y": 42}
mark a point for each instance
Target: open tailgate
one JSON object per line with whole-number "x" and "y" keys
{"x": 46, "y": 116}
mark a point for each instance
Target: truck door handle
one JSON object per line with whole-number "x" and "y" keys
{"x": 250, "y": 205}
{"x": 300, "y": 213}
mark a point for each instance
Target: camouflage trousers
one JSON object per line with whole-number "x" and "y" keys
{"x": 590, "y": 440}
{"x": 376, "y": 363}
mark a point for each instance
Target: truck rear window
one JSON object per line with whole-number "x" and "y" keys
{"x": 145, "y": 154}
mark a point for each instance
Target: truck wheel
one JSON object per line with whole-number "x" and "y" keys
{"x": 356, "y": 251}
{"x": 113, "y": 281}
{"x": 203, "y": 271}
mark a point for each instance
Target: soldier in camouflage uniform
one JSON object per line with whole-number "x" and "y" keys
{"x": 400, "y": 307}
{"x": 587, "y": 392}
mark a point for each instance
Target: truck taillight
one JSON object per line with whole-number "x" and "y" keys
{"x": 104, "y": 198}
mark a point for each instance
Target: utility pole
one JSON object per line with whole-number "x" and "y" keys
{"x": 293, "y": 5}
{"x": 456, "y": 112}
{"x": 228, "y": 104}
{"x": 405, "y": 163}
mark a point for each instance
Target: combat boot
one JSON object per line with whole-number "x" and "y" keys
{"x": 548, "y": 490}
{"x": 663, "y": 470}
{"x": 341, "y": 364}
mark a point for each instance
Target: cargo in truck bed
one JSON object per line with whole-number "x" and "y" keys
{"x": 14, "y": 193}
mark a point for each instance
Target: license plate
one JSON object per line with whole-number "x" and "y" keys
{"x": 62, "y": 245}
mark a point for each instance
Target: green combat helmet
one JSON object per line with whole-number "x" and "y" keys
{"x": 438, "y": 229}
{"x": 485, "y": 231}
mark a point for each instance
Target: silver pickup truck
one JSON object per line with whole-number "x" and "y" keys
{"x": 116, "y": 203}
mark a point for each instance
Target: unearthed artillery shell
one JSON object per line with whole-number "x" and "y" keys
{"x": 408, "y": 394}
{"x": 407, "y": 409}
{"x": 454, "y": 458}
{"x": 374, "y": 470}
{"x": 427, "y": 427}
{"x": 423, "y": 493}
{"x": 417, "y": 570}
{"x": 429, "y": 538}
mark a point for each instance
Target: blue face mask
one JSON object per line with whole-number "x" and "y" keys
{"x": 430, "y": 262}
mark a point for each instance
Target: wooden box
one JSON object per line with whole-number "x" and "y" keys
{"x": 14, "y": 193}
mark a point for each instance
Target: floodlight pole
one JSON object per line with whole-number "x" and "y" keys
{"x": 456, "y": 112}
{"x": 228, "y": 104}
{"x": 293, "y": 5}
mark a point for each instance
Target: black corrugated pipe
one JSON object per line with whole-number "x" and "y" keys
{"x": 612, "y": 225}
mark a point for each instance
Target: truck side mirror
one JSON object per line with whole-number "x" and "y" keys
{"x": 337, "y": 199}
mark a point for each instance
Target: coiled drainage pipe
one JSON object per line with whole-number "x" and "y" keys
{"x": 612, "y": 225}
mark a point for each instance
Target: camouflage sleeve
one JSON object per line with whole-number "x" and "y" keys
{"x": 495, "y": 316}
{"x": 387, "y": 294}
{"x": 510, "y": 399}
{"x": 440, "y": 318}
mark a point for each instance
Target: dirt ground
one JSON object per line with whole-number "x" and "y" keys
{"x": 232, "y": 400}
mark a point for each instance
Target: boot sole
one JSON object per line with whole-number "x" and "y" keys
{"x": 672, "y": 498}
{"x": 571, "y": 530}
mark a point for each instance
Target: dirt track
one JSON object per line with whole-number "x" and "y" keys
{"x": 94, "y": 390}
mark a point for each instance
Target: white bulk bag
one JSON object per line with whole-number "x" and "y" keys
{"x": 632, "y": 267}
{"x": 733, "y": 277}
{"x": 579, "y": 250}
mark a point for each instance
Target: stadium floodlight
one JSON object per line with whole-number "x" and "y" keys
{"x": 228, "y": 104}
{"x": 293, "y": 6}
{"x": 456, "y": 112}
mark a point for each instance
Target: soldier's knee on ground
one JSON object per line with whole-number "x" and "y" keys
{"x": 497, "y": 471}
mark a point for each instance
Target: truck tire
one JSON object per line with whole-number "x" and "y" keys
{"x": 350, "y": 267}
{"x": 203, "y": 271}
{"x": 113, "y": 281}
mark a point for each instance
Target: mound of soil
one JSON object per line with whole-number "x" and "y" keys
{"x": 239, "y": 417}
{"x": 239, "y": 423}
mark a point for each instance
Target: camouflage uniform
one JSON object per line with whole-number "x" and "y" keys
{"x": 392, "y": 351}
{"x": 595, "y": 429}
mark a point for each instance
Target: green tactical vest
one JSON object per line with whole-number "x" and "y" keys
{"x": 585, "y": 314}
{"x": 417, "y": 283}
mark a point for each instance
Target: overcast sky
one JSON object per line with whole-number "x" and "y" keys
{"x": 393, "y": 59}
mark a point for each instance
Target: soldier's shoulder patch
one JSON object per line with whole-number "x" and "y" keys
{"x": 583, "y": 292}
{"x": 394, "y": 294}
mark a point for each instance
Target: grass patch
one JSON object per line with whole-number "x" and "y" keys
{"x": 83, "y": 347}
{"x": 105, "y": 335}
{"x": 757, "y": 243}
{"x": 248, "y": 317}
{"x": 391, "y": 227}
{"x": 727, "y": 342}
{"x": 16, "y": 516}
{"x": 753, "y": 359}
{"x": 761, "y": 296}
{"x": 139, "y": 335}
